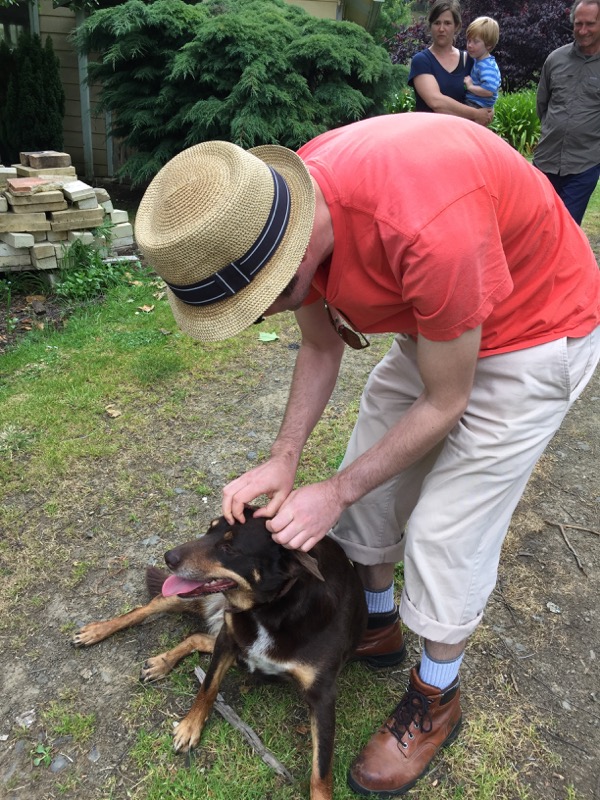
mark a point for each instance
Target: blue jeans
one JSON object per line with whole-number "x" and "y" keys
{"x": 575, "y": 190}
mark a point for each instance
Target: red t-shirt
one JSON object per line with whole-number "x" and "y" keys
{"x": 440, "y": 226}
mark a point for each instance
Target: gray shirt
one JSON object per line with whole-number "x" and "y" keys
{"x": 568, "y": 105}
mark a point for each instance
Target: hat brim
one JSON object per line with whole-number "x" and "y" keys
{"x": 231, "y": 316}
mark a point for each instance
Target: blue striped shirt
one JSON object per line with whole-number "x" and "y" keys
{"x": 486, "y": 74}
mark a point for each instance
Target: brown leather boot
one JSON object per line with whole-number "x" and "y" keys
{"x": 425, "y": 720}
{"x": 381, "y": 647}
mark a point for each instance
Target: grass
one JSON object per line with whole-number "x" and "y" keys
{"x": 106, "y": 394}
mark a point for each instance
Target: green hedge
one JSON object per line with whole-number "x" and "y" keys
{"x": 515, "y": 117}
{"x": 32, "y": 99}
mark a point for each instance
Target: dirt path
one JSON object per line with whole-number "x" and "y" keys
{"x": 538, "y": 648}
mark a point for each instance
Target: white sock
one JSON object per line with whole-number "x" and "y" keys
{"x": 381, "y": 602}
{"x": 438, "y": 673}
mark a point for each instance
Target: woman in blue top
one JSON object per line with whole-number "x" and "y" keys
{"x": 437, "y": 74}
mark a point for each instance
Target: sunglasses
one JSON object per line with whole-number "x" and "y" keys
{"x": 346, "y": 330}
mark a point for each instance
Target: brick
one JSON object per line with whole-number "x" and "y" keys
{"x": 30, "y": 172}
{"x": 126, "y": 241}
{"x": 53, "y": 196}
{"x": 40, "y": 236}
{"x": 9, "y": 250}
{"x": 117, "y": 216}
{"x": 25, "y": 223}
{"x": 86, "y": 203}
{"x": 122, "y": 230}
{"x": 42, "y": 250}
{"x": 85, "y": 237}
{"x": 46, "y": 159}
{"x": 73, "y": 220}
{"x": 15, "y": 261}
{"x": 25, "y": 185}
{"x": 107, "y": 206}
{"x": 3, "y": 204}
{"x": 45, "y": 263}
{"x": 102, "y": 196}
{"x": 18, "y": 239}
{"x": 8, "y": 172}
{"x": 57, "y": 236}
{"x": 43, "y": 207}
{"x": 78, "y": 190}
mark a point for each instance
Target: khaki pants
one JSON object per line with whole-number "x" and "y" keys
{"x": 448, "y": 514}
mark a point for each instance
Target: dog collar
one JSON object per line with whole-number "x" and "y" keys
{"x": 238, "y": 274}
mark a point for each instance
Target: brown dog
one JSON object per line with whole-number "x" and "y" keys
{"x": 280, "y": 612}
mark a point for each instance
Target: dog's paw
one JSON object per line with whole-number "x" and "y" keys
{"x": 90, "y": 634}
{"x": 155, "y": 668}
{"x": 186, "y": 735}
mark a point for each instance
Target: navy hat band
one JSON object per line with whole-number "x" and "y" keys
{"x": 238, "y": 274}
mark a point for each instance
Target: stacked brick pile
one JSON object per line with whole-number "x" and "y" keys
{"x": 44, "y": 208}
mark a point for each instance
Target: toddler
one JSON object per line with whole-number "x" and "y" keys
{"x": 484, "y": 81}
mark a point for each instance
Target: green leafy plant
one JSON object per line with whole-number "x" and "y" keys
{"x": 42, "y": 754}
{"x": 401, "y": 102}
{"x": 84, "y": 273}
{"x": 6, "y": 295}
{"x": 516, "y": 120}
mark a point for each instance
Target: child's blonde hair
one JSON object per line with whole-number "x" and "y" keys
{"x": 486, "y": 29}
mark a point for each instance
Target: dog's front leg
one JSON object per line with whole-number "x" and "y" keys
{"x": 188, "y": 732}
{"x": 160, "y": 665}
{"x": 322, "y": 725}
{"x": 97, "y": 631}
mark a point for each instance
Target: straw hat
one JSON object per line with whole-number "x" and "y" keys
{"x": 226, "y": 229}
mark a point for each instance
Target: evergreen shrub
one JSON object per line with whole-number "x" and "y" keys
{"x": 247, "y": 71}
{"x": 34, "y": 101}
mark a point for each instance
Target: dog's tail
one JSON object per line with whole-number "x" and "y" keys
{"x": 155, "y": 578}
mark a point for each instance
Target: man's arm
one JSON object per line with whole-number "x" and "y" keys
{"x": 447, "y": 370}
{"x": 543, "y": 93}
{"x": 315, "y": 374}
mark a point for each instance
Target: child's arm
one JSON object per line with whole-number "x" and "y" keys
{"x": 478, "y": 91}
{"x": 487, "y": 80}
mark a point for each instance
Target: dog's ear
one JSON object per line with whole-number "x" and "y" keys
{"x": 309, "y": 563}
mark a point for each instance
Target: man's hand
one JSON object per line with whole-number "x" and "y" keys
{"x": 275, "y": 478}
{"x": 306, "y": 516}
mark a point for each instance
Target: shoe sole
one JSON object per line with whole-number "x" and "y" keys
{"x": 384, "y": 660}
{"x": 358, "y": 789}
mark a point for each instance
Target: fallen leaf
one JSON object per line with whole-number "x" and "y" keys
{"x": 263, "y": 336}
{"x": 159, "y": 295}
{"x": 40, "y": 298}
{"x": 146, "y": 309}
{"x": 164, "y": 331}
{"x": 303, "y": 730}
{"x": 112, "y": 411}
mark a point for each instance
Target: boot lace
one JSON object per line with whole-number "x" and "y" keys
{"x": 413, "y": 709}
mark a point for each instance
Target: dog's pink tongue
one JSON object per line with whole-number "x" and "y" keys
{"x": 176, "y": 585}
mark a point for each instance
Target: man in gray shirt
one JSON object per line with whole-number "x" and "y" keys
{"x": 568, "y": 105}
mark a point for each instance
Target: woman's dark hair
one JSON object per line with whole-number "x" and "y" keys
{"x": 438, "y": 8}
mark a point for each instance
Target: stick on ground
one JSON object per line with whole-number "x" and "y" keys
{"x": 247, "y": 732}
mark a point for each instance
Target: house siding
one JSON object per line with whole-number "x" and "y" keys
{"x": 59, "y": 23}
